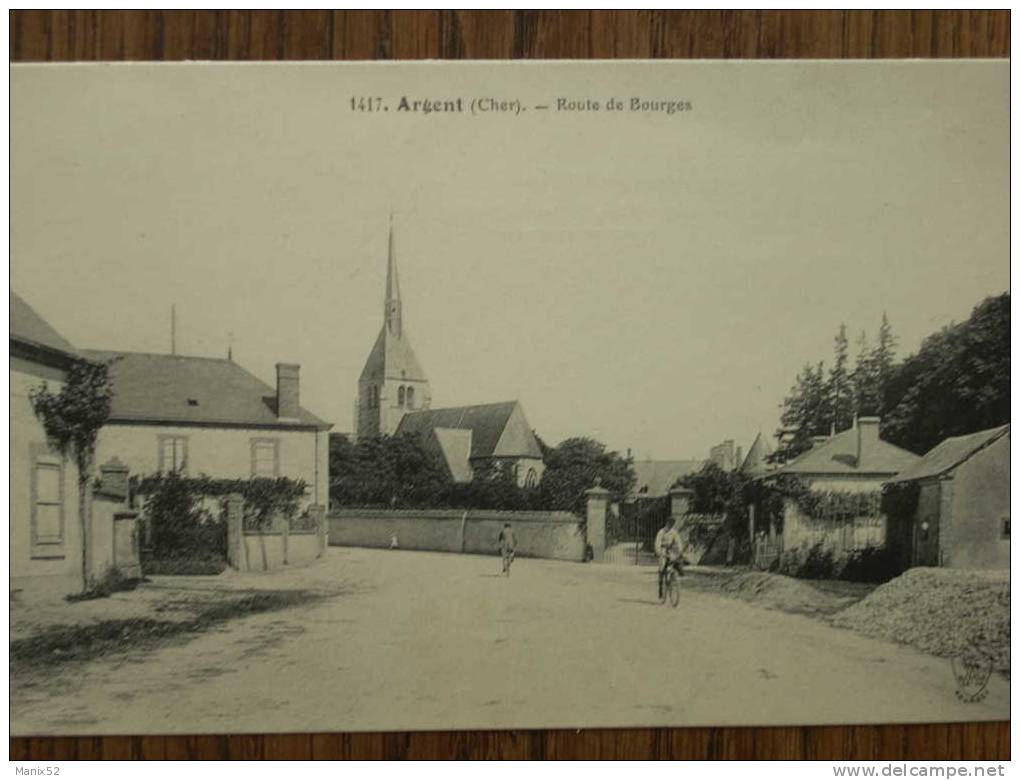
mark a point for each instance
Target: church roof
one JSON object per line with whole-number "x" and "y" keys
{"x": 497, "y": 430}
{"x": 392, "y": 358}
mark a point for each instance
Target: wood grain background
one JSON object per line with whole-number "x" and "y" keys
{"x": 44, "y": 36}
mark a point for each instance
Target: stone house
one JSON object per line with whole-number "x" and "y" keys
{"x": 46, "y": 545}
{"x": 210, "y": 416}
{"x": 855, "y": 461}
{"x": 962, "y": 517}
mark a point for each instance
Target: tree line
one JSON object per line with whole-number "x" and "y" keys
{"x": 956, "y": 383}
{"x": 398, "y": 472}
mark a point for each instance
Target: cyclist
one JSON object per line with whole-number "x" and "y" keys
{"x": 667, "y": 548}
{"x": 507, "y": 546}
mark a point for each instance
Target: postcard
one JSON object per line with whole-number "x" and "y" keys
{"x": 411, "y": 396}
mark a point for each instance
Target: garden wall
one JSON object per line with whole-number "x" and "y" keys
{"x": 555, "y": 535}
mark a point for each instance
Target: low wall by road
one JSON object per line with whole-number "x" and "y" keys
{"x": 556, "y": 535}
{"x": 284, "y": 544}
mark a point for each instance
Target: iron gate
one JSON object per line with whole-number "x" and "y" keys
{"x": 631, "y": 534}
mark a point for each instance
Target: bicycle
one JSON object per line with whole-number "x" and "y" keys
{"x": 670, "y": 591}
{"x": 508, "y": 558}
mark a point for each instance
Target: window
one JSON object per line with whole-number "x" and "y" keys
{"x": 265, "y": 458}
{"x": 400, "y": 396}
{"x": 1004, "y": 529}
{"x": 47, "y": 535}
{"x": 373, "y": 396}
{"x": 531, "y": 480}
{"x": 410, "y": 397}
{"x": 173, "y": 453}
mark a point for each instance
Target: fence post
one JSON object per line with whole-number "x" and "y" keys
{"x": 236, "y": 552}
{"x": 597, "y": 504}
{"x": 285, "y": 535}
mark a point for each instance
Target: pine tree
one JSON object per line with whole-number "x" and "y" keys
{"x": 882, "y": 363}
{"x": 840, "y": 390}
{"x": 867, "y": 392}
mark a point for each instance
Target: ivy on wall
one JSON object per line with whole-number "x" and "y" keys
{"x": 829, "y": 505}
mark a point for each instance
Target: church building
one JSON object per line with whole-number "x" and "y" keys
{"x": 394, "y": 398}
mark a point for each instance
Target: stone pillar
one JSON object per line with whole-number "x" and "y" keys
{"x": 236, "y": 553}
{"x": 597, "y": 504}
{"x": 318, "y": 511}
{"x": 680, "y": 502}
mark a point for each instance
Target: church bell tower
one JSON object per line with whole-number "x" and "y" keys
{"x": 392, "y": 382}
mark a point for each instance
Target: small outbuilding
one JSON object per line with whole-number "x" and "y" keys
{"x": 962, "y": 517}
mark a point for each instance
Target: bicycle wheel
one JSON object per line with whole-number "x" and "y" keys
{"x": 673, "y": 589}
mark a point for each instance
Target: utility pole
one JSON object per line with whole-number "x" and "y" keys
{"x": 173, "y": 328}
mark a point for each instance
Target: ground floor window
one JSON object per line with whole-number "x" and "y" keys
{"x": 47, "y": 505}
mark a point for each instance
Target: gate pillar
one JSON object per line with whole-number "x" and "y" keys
{"x": 597, "y": 505}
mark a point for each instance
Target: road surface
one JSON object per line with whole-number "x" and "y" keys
{"x": 433, "y": 641}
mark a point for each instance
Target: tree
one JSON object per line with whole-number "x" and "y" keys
{"x": 805, "y": 414}
{"x": 720, "y": 492}
{"x": 957, "y": 383}
{"x": 839, "y": 388}
{"x": 865, "y": 381}
{"x": 385, "y": 471}
{"x": 72, "y": 419}
{"x": 572, "y": 467}
{"x": 882, "y": 361}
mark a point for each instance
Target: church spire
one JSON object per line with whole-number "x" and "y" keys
{"x": 392, "y": 305}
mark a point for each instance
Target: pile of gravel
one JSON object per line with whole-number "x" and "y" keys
{"x": 945, "y": 612}
{"x": 786, "y": 593}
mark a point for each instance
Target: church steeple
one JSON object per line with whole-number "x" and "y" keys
{"x": 391, "y": 312}
{"x": 392, "y": 382}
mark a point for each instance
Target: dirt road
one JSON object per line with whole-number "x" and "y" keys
{"x": 423, "y": 641}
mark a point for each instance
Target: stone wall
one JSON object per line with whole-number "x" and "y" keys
{"x": 555, "y": 535}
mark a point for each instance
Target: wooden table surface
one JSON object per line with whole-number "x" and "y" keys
{"x": 45, "y": 36}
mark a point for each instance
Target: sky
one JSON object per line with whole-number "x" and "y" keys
{"x": 652, "y": 280}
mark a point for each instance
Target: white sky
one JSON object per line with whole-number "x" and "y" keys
{"x": 654, "y": 281}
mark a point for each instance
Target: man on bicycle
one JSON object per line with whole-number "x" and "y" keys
{"x": 667, "y": 548}
{"x": 507, "y": 546}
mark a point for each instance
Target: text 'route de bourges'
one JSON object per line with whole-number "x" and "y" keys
{"x": 485, "y": 105}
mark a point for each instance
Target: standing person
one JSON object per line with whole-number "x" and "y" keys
{"x": 507, "y": 546}
{"x": 667, "y": 550}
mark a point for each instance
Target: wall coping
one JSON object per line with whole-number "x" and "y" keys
{"x": 458, "y": 514}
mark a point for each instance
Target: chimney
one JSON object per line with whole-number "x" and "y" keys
{"x": 867, "y": 440}
{"x": 287, "y": 390}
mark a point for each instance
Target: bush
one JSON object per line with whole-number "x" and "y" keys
{"x": 179, "y": 528}
{"x": 111, "y": 582}
{"x": 871, "y": 564}
{"x": 814, "y": 563}
{"x": 192, "y": 566}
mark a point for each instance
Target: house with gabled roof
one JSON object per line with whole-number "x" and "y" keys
{"x": 200, "y": 415}
{"x": 962, "y": 515}
{"x": 854, "y": 461}
{"x": 470, "y": 439}
{"x": 45, "y": 535}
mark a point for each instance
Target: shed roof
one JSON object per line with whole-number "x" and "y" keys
{"x": 949, "y": 454}
{"x": 160, "y": 388}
